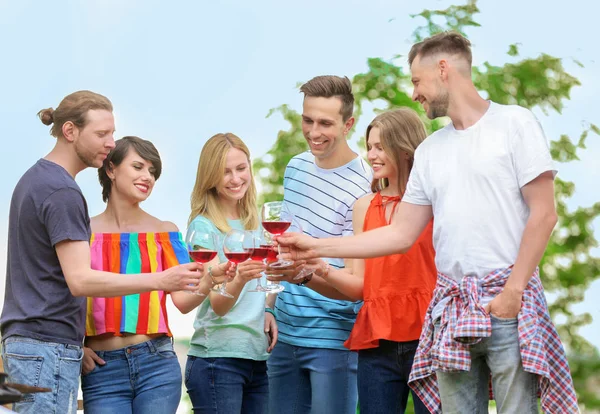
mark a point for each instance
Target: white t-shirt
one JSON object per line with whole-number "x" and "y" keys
{"x": 472, "y": 178}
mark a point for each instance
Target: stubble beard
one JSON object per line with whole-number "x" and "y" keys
{"x": 439, "y": 106}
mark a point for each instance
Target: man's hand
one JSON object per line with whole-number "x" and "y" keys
{"x": 506, "y": 305}
{"x": 271, "y": 330}
{"x": 182, "y": 277}
{"x": 297, "y": 246}
{"x": 286, "y": 274}
{"x": 90, "y": 360}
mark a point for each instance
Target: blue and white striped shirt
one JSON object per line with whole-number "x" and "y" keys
{"x": 322, "y": 200}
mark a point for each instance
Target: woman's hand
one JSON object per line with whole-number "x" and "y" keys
{"x": 90, "y": 360}
{"x": 271, "y": 330}
{"x": 249, "y": 270}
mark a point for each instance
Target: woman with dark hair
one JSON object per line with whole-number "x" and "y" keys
{"x": 129, "y": 364}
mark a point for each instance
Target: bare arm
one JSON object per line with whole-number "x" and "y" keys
{"x": 407, "y": 224}
{"x": 74, "y": 258}
{"x": 246, "y": 272}
{"x": 271, "y": 299}
{"x": 315, "y": 283}
{"x": 186, "y": 302}
{"x": 539, "y": 197}
{"x": 350, "y": 281}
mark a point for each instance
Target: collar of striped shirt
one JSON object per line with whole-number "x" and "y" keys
{"x": 465, "y": 319}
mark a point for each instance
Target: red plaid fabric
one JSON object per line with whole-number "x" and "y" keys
{"x": 464, "y": 322}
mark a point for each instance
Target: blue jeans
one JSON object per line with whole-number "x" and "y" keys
{"x": 383, "y": 378}
{"x": 227, "y": 385}
{"x": 515, "y": 390}
{"x": 141, "y": 378}
{"x": 312, "y": 380}
{"x": 44, "y": 364}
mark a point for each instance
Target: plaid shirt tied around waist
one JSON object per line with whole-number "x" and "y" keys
{"x": 464, "y": 322}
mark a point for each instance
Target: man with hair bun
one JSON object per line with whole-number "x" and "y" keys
{"x": 48, "y": 272}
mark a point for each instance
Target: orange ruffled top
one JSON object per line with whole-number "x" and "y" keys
{"x": 397, "y": 288}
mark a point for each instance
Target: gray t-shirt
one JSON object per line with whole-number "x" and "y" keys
{"x": 47, "y": 207}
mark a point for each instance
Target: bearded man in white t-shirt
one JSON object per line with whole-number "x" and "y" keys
{"x": 488, "y": 179}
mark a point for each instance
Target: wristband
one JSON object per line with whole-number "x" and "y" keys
{"x": 271, "y": 311}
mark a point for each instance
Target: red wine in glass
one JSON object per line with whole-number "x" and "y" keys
{"x": 202, "y": 256}
{"x": 238, "y": 257}
{"x": 260, "y": 253}
{"x": 276, "y": 227}
{"x": 271, "y": 253}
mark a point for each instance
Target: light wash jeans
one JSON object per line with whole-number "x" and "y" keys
{"x": 312, "y": 380}
{"x": 43, "y": 364}
{"x": 142, "y": 378}
{"x": 515, "y": 390}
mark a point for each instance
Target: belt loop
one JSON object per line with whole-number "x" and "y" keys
{"x": 151, "y": 346}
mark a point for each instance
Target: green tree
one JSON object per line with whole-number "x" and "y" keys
{"x": 568, "y": 267}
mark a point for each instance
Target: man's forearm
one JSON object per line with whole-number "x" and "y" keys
{"x": 533, "y": 244}
{"x": 374, "y": 243}
{"x": 98, "y": 283}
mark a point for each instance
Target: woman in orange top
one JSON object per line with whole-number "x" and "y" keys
{"x": 396, "y": 289}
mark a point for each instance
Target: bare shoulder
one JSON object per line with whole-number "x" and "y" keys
{"x": 98, "y": 224}
{"x": 363, "y": 203}
{"x": 167, "y": 226}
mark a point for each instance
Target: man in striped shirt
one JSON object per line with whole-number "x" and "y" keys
{"x": 309, "y": 369}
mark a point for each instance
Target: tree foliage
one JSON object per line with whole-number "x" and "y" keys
{"x": 568, "y": 267}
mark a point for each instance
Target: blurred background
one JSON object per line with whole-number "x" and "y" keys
{"x": 179, "y": 72}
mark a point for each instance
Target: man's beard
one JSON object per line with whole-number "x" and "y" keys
{"x": 85, "y": 157}
{"x": 439, "y": 106}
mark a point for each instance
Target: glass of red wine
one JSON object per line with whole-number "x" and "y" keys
{"x": 238, "y": 246}
{"x": 296, "y": 227}
{"x": 261, "y": 252}
{"x": 202, "y": 247}
{"x": 266, "y": 252}
{"x": 276, "y": 219}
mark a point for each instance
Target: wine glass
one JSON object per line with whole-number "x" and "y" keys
{"x": 261, "y": 252}
{"x": 272, "y": 286}
{"x": 296, "y": 227}
{"x": 276, "y": 219}
{"x": 201, "y": 245}
{"x": 238, "y": 246}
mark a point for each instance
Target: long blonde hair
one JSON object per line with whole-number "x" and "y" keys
{"x": 211, "y": 167}
{"x": 401, "y": 131}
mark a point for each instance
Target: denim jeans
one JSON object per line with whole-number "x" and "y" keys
{"x": 227, "y": 385}
{"x": 383, "y": 378}
{"x": 312, "y": 380}
{"x": 141, "y": 378}
{"x": 515, "y": 390}
{"x": 43, "y": 364}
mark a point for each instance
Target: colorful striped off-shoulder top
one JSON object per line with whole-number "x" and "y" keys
{"x": 130, "y": 253}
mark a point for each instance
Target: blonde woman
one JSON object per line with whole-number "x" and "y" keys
{"x": 226, "y": 371}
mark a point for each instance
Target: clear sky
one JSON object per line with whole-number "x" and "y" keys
{"x": 178, "y": 72}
